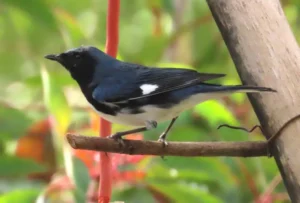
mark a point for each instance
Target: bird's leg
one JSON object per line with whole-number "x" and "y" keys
{"x": 149, "y": 125}
{"x": 119, "y": 135}
{"x": 162, "y": 138}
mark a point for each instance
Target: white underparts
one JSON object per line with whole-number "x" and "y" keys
{"x": 155, "y": 113}
{"x": 148, "y": 88}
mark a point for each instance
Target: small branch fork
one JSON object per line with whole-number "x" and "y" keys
{"x": 188, "y": 149}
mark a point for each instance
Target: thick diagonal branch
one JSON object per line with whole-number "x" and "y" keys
{"x": 141, "y": 147}
{"x": 266, "y": 53}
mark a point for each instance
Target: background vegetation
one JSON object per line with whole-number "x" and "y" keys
{"x": 39, "y": 103}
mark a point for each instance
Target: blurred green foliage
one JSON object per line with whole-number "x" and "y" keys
{"x": 162, "y": 33}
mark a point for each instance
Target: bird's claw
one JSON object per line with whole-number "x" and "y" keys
{"x": 269, "y": 148}
{"x": 117, "y": 137}
{"x": 162, "y": 139}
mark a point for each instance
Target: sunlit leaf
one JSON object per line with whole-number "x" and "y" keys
{"x": 238, "y": 98}
{"x": 56, "y": 102}
{"x": 215, "y": 113}
{"x": 20, "y": 19}
{"x": 9, "y": 184}
{"x": 187, "y": 133}
{"x": 174, "y": 65}
{"x": 13, "y": 166}
{"x": 24, "y": 196}
{"x": 88, "y": 23}
{"x": 292, "y": 13}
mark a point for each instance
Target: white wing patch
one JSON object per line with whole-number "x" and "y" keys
{"x": 148, "y": 88}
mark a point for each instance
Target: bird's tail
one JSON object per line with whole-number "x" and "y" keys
{"x": 236, "y": 88}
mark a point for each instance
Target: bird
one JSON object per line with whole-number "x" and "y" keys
{"x": 137, "y": 95}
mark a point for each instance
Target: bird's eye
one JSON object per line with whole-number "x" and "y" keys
{"x": 77, "y": 56}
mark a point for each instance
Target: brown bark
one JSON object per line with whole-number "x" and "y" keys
{"x": 266, "y": 53}
{"x": 142, "y": 147}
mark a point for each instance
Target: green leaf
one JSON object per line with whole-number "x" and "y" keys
{"x": 168, "y": 6}
{"x": 215, "y": 113}
{"x": 140, "y": 34}
{"x": 14, "y": 123}
{"x": 165, "y": 174}
{"x": 12, "y": 73}
{"x": 291, "y": 12}
{"x": 24, "y": 196}
{"x": 185, "y": 192}
{"x": 133, "y": 195}
{"x": 187, "y": 132}
{"x": 238, "y": 98}
{"x": 204, "y": 51}
{"x": 79, "y": 174}
{"x": 71, "y": 31}
{"x": 228, "y": 134}
{"x": 56, "y": 101}
{"x": 211, "y": 166}
{"x": 12, "y": 166}
{"x": 62, "y": 78}
{"x": 88, "y": 23}
{"x": 9, "y": 184}
{"x": 38, "y": 10}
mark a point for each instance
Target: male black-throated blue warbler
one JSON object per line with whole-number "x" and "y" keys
{"x": 137, "y": 95}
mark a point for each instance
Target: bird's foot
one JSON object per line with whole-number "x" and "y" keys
{"x": 150, "y": 125}
{"x": 269, "y": 151}
{"x": 162, "y": 139}
{"x": 117, "y": 137}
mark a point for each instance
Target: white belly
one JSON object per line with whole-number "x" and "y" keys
{"x": 152, "y": 113}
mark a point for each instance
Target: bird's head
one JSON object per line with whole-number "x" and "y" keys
{"x": 81, "y": 62}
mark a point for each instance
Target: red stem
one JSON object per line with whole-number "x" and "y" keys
{"x": 112, "y": 40}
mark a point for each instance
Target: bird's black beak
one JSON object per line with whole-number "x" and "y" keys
{"x": 53, "y": 57}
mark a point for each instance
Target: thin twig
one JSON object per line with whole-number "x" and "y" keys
{"x": 271, "y": 187}
{"x": 278, "y": 133}
{"x": 142, "y": 147}
{"x": 240, "y": 128}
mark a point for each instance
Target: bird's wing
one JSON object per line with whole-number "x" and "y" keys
{"x": 146, "y": 82}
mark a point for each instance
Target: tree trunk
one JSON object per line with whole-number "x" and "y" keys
{"x": 266, "y": 53}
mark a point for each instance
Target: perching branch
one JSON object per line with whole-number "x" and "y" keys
{"x": 142, "y": 147}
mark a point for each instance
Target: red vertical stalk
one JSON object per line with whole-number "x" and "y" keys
{"x": 112, "y": 40}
